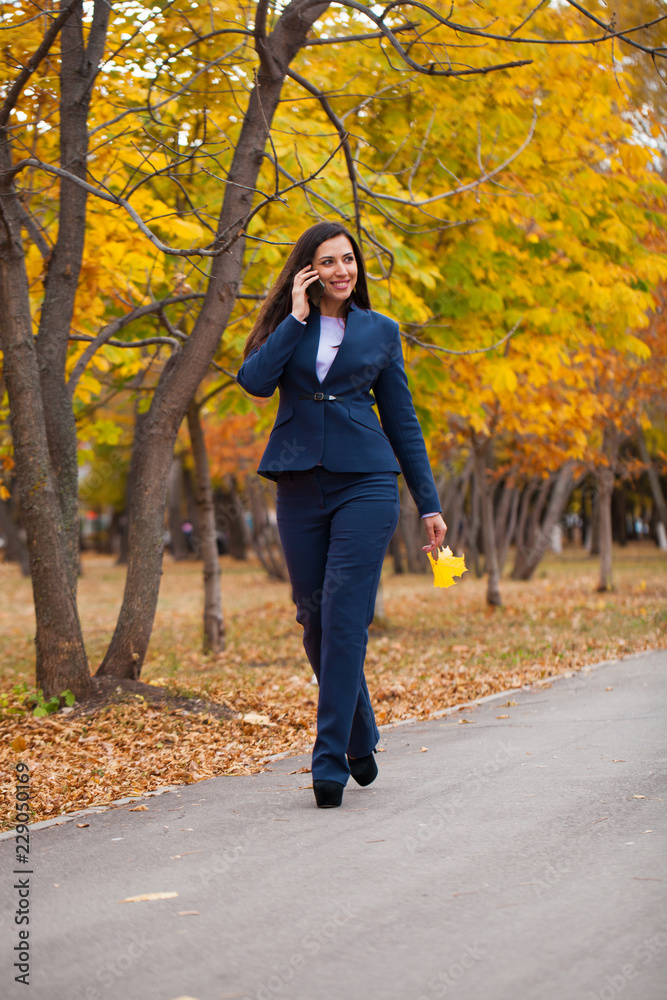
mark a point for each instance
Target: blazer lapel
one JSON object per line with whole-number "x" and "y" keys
{"x": 344, "y": 360}
{"x": 305, "y": 355}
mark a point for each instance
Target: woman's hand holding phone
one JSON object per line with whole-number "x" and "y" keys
{"x": 300, "y": 301}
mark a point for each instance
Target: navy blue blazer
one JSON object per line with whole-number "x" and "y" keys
{"x": 342, "y": 430}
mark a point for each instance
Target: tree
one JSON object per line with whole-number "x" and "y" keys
{"x": 115, "y": 172}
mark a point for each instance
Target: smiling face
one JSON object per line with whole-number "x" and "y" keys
{"x": 336, "y": 265}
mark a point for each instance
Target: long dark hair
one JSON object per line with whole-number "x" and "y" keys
{"x": 278, "y": 304}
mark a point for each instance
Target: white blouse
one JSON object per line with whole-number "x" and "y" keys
{"x": 331, "y": 337}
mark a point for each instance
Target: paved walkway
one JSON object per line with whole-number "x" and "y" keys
{"x": 520, "y": 855}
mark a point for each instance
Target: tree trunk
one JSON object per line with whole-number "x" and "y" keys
{"x": 180, "y": 548}
{"x": 508, "y": 534}
{"x": 378, "y": 611}
{"x": 124, "y": 520}
{"x": 482, "y": 447}
{"x": 475, "y": 522}
{"x": 214, "y": 624}
{"x": 410, "y": 528}
{"x": 453, "y": 513}
{"x": 15, "y": 547}
{"x": 61, "y": 657}
{"x": 503, "y": 516}
{"x": 656, "y": 489}
{"x": 538, "y": 539}
{"x": 188, "y": 365}
{"x": 45, "y": 450}
{"x": 594, "y": 547}
{"x": 606, "y": 472}
{"x": 619, "y": 505}
{"x": 229, "y": 511}
{"x": 395, "y": 552}
{"x": 265, "y": 536}
{"x": 79, "y": 63}
{"x": 192, "y": 509}
{"x": 524, "y": 507}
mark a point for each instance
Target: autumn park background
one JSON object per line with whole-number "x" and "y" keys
{"x": 505, "y": 169}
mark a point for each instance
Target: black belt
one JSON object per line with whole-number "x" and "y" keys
{"x": 320, "y": 396}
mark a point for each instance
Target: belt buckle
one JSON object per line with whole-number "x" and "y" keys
{"x": 318, "y": 395}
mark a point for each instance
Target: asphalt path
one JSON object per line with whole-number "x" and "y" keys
{"x": 509, "y": 851}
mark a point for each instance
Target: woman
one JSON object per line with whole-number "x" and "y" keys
{"x": 336, "y": 468}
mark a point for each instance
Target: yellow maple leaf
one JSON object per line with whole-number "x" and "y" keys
{"x": 446, "y": 566}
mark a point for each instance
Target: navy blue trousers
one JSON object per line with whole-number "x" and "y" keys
{"x": 335, "y": 528}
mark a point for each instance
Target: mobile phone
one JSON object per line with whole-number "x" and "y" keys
{"x": 315, "y": 292}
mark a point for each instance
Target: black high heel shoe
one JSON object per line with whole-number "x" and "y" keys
{"x": 328, "y": 794}
{"x": 364, "y": 770}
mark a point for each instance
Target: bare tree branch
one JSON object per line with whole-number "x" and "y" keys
{"x": 476, "y": 350}
{"x": 486, "y": 176}
{"x": 341, "y": 39}
{"x": 34, "y": 231}
{"x": 485, "y": 33}
{"x": 29, "y": 20}
{"x": 129, "y": 343}
{"x": 19, "y": 83}
{"x": 431, "y": 69}
{"x": 626, "y": 31}
{"x": 344, "y": 137}
{"x": 111, "y": 329}
{"x": 237, "y": 229}
{"x": 214, "y": 392}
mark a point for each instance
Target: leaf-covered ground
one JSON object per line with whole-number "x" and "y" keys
{"x": 436, "y": 649}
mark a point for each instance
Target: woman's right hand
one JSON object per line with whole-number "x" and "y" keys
{"x": 300, "y": 301}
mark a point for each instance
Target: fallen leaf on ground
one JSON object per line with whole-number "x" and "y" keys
{"x": 423, "y": 749}
{"x": 147, "y": 897}
{"x": 257, "y": 720}
{"x": 19, "y": 744}
{"x": 462, "y": 721}
{"x": 502, "y": 717}
{"x": 188, "y": 913}
{"x": 82, "y": 825}
{"x": 138, "y": 809}
{"x": 609, "y": 689}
